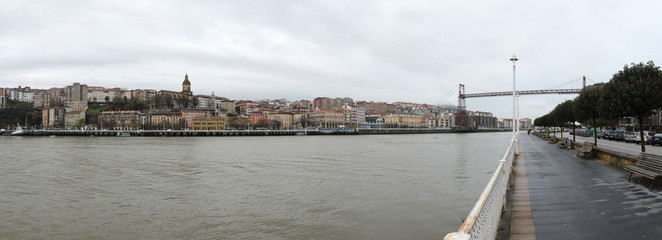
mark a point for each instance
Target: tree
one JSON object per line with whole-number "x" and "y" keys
{"x": 80, "y": 123}
{"x": 588, "y": 107}
{"x": 107, "y": 98}
{"x": 564, "y": 113}
{"x": 635, "y": 92}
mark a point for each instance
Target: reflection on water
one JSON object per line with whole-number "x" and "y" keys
{"x": 311, "y": 187}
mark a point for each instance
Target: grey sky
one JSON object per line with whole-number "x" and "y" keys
{"x": 415, "y": 51}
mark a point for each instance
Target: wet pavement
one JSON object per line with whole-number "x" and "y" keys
{"x": 575, "y": 198}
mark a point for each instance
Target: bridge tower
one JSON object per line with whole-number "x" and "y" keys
{"x": 461, "y": 117}
{"x": 584, "y": 82}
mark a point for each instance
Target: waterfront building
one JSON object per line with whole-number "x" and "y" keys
{"x": 506, "y": 123}
{"x": 121, "y": 120}
{"x": 74, "y": 119}
{"x": 360, "y": 114}
{"x": 351, "y": 115}
{"x": 255, "y": 117}
{"x": 189, "y": 115}
{"x": 158, "y": 120}
{"x": 374, "y": 121}
{"x": 404, "y": 120}
{"x": 170, "y": 120}
{"x": 326, "y": 118}
{"x": 52, "y": 117}
{"x": 431, "y": 122}
{"x": 286, "y": 119}
{"x": 477, "y": 119}
{"x": 447, "y": 119}
{"x": 210, "y": 123}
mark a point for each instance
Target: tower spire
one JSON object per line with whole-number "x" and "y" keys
{"x": 186, "y": 85}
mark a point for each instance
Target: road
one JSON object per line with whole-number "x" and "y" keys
{"x": 620, "y": 146}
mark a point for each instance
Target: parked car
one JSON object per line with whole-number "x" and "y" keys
{"x": 620, "y": 136}
{"x": 611, "y": 135}
{"x": 584, "y": 132}
{"x": 603, "y": 134}
{"x": 629, "y": 136}
{"x": 657, "y": 139}
{"x": 648, "y": 137}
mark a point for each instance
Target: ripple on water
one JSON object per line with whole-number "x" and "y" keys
{"x": 314, "y": 187}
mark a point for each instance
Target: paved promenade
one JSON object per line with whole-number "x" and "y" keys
{"x": 560, "y": 196}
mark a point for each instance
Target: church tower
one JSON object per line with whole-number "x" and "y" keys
{"x": 186, "y": 86}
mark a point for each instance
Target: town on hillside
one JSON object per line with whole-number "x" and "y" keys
{"x": 80, "y": 106}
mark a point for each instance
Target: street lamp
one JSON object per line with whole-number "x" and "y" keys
{"x": 514, "y": 59}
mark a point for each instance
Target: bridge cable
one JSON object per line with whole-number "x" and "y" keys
{"x": 594, "y": 82}
{"x": 566, "y": 83}
{"x": 444, "y": 97}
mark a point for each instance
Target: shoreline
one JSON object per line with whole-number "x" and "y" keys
{"x": 231, "y": 133}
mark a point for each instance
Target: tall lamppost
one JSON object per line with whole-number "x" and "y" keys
{"x": 514, "y": 59}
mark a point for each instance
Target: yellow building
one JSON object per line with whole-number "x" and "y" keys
{"x": 404, "y": 119}
{"x": 210, "y": 123}
{"x": 286, "y": 119}
{"x": 168, "y": 120}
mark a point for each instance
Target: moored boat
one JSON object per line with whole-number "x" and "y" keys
{"x": 124, "y": 134}
{"x": 18, "y": 131}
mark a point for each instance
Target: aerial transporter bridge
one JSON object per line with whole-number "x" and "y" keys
{"x": 462, "y": 96}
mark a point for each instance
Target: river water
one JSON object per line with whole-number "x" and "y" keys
{"x": 294, "y": 187}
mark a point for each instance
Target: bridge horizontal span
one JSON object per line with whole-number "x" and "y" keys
{"x": 525, "y": 92}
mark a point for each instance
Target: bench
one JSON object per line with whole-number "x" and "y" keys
{"x": 586, "y": 149}
{"x": 648, "y": 166}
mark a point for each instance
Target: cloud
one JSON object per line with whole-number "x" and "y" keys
{"x": 414, "y": 51}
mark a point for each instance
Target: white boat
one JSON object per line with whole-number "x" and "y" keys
{"x": 19, "y": 131}
{"x": 124, "y": 134}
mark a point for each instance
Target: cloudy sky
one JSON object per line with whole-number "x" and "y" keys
{"x": 415, "y": 51}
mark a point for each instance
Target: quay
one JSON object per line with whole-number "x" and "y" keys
{"x": 226, "y": 133}
{"x": 555, "y": 194}
{"x": 558, "y": 195}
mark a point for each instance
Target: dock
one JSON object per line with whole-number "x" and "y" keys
{"x": 558, "y": 195}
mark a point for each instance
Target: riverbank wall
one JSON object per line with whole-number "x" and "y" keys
{"x": 229, "y": 133}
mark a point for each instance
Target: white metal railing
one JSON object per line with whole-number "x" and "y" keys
{"x": 483, "y": 220}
